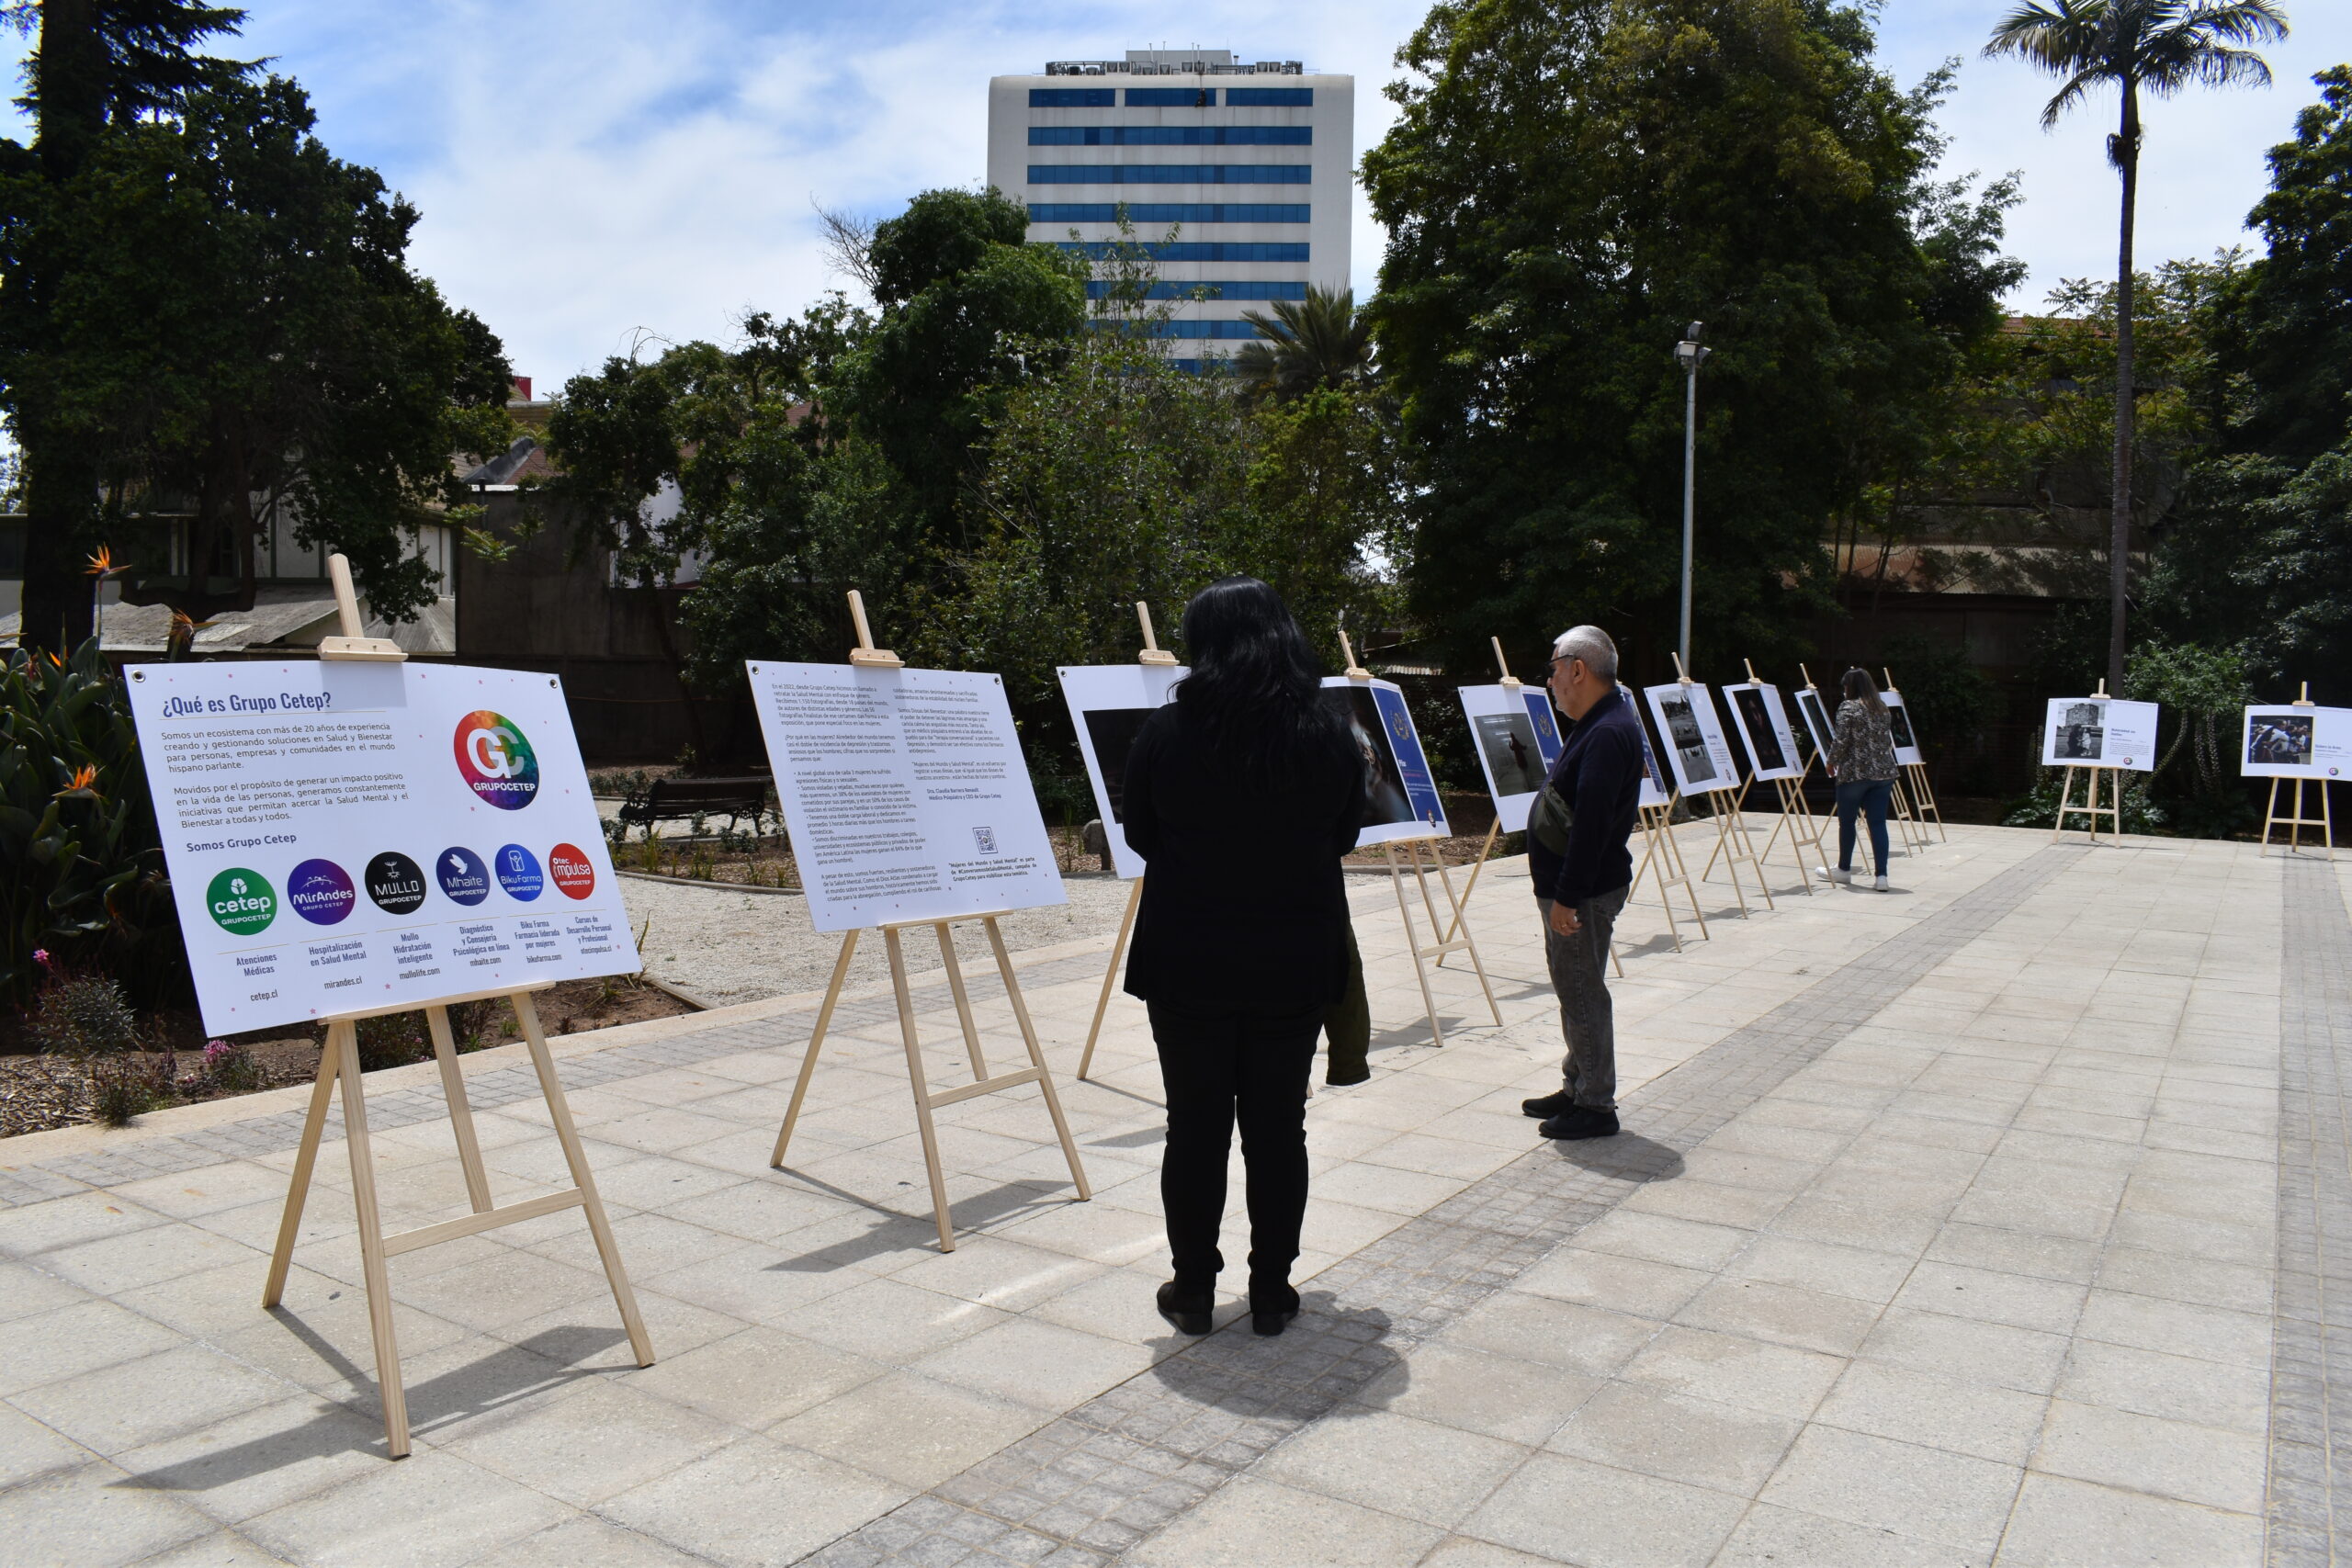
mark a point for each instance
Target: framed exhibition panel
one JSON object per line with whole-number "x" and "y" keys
{"x": 1696, "y": 747}
{"x": 1764, "y": 730}
{"x": 2287, "y": 741}
{"x": 1400, "y": 795}
{"x": 1108, "y": 705}
{"x": 2099, "y": 732}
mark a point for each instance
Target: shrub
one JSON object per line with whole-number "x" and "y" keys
{"x": 230, "y": 1069}
{"x": 84, "y": 1016}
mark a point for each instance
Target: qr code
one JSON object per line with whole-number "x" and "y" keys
{"x": 986, "y": 839}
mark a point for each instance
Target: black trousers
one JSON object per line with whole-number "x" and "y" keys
{"x": 1219, "y": 1068}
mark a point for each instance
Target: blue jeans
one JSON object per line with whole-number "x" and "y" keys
{"x": 1872, "y": 795}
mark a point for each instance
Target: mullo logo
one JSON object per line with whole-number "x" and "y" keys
{"x": 495, "y": 761}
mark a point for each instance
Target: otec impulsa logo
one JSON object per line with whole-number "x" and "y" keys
{"x": 495, "y": 761}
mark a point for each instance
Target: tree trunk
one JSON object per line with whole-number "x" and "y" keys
{"x": 2125, "y": 150}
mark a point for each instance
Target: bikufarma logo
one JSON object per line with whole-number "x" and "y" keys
{"x": 495, "y": 761}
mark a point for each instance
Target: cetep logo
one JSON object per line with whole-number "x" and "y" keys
{"x": 496, "y": 761}
{"x": 575, "y": 877}
{"x": 240, "y": 902}
{"x": 320, "y": 892}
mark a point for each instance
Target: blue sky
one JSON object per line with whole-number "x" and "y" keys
{"x": 589, "y": 170}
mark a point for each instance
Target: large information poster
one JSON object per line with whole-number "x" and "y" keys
{"x": 1764, "y": 730}
{"x": 1108, "y": 703}
{"x": 355, "y": 836}
{"x": 1518, "y": 740}
{"x": 2290, "y": 742}
{"x": 905, "y": 793}
{"x": 1695, "y": 744}
{"x": 1400, "y": 794}
{"x": 2099, "y": 732}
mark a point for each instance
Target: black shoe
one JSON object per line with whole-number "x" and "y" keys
{"x": 1581, "y": 1121}
{"x": 1271, "y": 1310}
{"x": 1545, "y": 1105}
{"x": 1187, "y": 1313}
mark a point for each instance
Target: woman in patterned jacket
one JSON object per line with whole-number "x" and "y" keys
{"x": 1861, "y": 758}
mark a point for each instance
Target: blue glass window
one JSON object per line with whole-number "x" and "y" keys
{"x": 1199, "y": 250}
{"x": 1172, "y": 135}
{"x": 1168, "y": 212}
{"x": 1269, "y": 97}
{"x": 1172, "y": 98}
{"x": 1100, "y": 290}
{"x": 1169, "y": 174}
{"x": 1073, "y": 97}
{"x": 1203, "y": 328}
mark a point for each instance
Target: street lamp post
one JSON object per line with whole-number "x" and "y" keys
{"x": 1690, "y": 355}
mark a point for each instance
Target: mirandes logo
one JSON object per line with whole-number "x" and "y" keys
{"x": 240, "y": 902}
{"x": 496, "y": 761}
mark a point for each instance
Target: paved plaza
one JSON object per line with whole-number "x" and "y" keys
{"x": 1994, "y": 1220}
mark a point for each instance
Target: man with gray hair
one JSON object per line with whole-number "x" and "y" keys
{"x": 1576, "y": 834}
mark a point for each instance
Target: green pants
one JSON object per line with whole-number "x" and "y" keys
{"x": 1348, "y": 1026}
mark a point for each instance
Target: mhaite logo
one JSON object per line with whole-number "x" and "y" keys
{"x": 320, "y": 892}
{"x": 241, "y": 902}
{"x": 495, "y": 761}
{"x": 464, "y": 878}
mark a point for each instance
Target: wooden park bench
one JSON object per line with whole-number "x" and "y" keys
{"x": 677, "y": 800}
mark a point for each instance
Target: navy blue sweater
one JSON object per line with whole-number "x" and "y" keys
{"x": 1599, "y": 775}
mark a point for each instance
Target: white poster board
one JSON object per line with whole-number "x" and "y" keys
{"x": 2099, "y": 732}
{"x": 350, "y": 836}
{"x": 905, "y": 793}
{"x": 1764, "y": 730}
{"x": 1820, "y": 720}
{"x": 1695, "y": 744}
{"x": 1400, "y": 795}
{"x": 1654, "y": 787}
{"x": 2285, "y": 741}
{"x": 1518, "y": 740}
{"x": 1906, "y": 739}
{"x": 1108, "y": 703}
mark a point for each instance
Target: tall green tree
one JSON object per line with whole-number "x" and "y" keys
{"x": 98, "y": 64}
{"x": 2141, "y": 48}
{"x": 1568, "y": 183}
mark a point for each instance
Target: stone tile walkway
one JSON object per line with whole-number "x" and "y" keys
{"x": 1950, "y": 1226}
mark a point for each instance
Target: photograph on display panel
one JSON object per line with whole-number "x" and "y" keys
{"x": 2285, "y": 741}
{"x": 905, "y": 792}
{"x": 1108, "y": 705}
{"x": 1654, "y": 787}
{"x": 1695, "y": 744}
{"x": 1511, "y": 747}
{"x": 1898, "y": 720}
{"x": 2099, "y": 732}
{"x": 1819, "y": 730}
{"x": 1400, "y": 796}
{"x": 1764, "y": 730}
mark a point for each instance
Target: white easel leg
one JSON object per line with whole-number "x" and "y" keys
{"x": 816, "y": 1041}
{"x": 298, "y": 1187}
{"x": 1413, "y": 943}
{"x": 1461, "y": 924}
{"x": 526, "y": 1012}
{"x": 963, "y": 1000}
{"x": 461, "y": 1111}
{"x": 1463, "y": 903}
{"x": 1038, "y": 1058}
{"x": 342, "y": 1038}
{"x": 919, "y": 1081}
{"x": 1110, "y": 976}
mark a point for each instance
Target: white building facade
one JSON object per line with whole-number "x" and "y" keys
{"x": 1252, "y": 164}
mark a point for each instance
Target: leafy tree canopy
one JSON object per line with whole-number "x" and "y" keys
{"x": 1569, "y": 182}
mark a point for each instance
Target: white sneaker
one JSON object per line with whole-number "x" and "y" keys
{"x": 1882, "y": 886}
{"x": 1837, "y": 876}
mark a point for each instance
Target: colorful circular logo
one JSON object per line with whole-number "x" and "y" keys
{"x": 575, "y": 874}
{"x": 240, "y": 902}
{"x": 395, "y": 882}
{"x": 496, "y": 761}
{"x": 518, "y": 872}
{"x": 464, "y": 878}
{"x": 320, "y": 892}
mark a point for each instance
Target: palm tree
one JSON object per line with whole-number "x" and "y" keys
{"x": 2157, "y": 48}
{"x": 1321, "y": 340}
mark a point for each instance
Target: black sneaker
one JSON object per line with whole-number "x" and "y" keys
{"x": 1545, "y": 1105}
{"x": 1581, "y": 1121}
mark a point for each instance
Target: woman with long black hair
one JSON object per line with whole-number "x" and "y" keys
{"x": 1861, "y": 758}
{"x": 1243, "y": 795}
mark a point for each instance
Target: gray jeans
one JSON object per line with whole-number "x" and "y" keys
{"x": 1579, "y": 966}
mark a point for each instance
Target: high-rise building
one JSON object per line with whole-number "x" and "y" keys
{"x": 1252, "y": 164}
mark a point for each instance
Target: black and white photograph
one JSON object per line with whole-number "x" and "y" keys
{"x": 1114, "y": 731}
{"x": 1756, "y": 728}
{"x": 1819, "y": 730}
{"x": 2099, "y": 732}
{"x": 1108, "y": 705}
{"x": 1693, "y": 732}
{"x": 2279, "y": 741}
{"x": 1385, "y": 798}
{"x": 1689, "y": 742}
{"x": 2079, "y": 733}
{"x": 1899, "y": 720}
{"x": 1507, "y": 740}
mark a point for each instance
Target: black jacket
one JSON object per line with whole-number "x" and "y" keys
{"x": 1599, "y": 775}
{"x": 1243, "y": 902}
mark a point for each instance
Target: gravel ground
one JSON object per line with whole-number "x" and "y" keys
{"x": 726, "y": 945}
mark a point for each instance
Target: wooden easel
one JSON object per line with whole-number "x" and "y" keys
{"x": 1658, "y": 851}
{"x": 1796, "y": 818}
{"x": 1457, "y": 938}
{"x": 1733, "y": 841}
{"x": 1152, "y": 654}
{"x": 1923, "y": 795}
{"x": 2092, "y": 809}
{"x": 918, "y": 1077}
{"x": 339, "y": 1065}
{"x": 2295, "y": 824}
